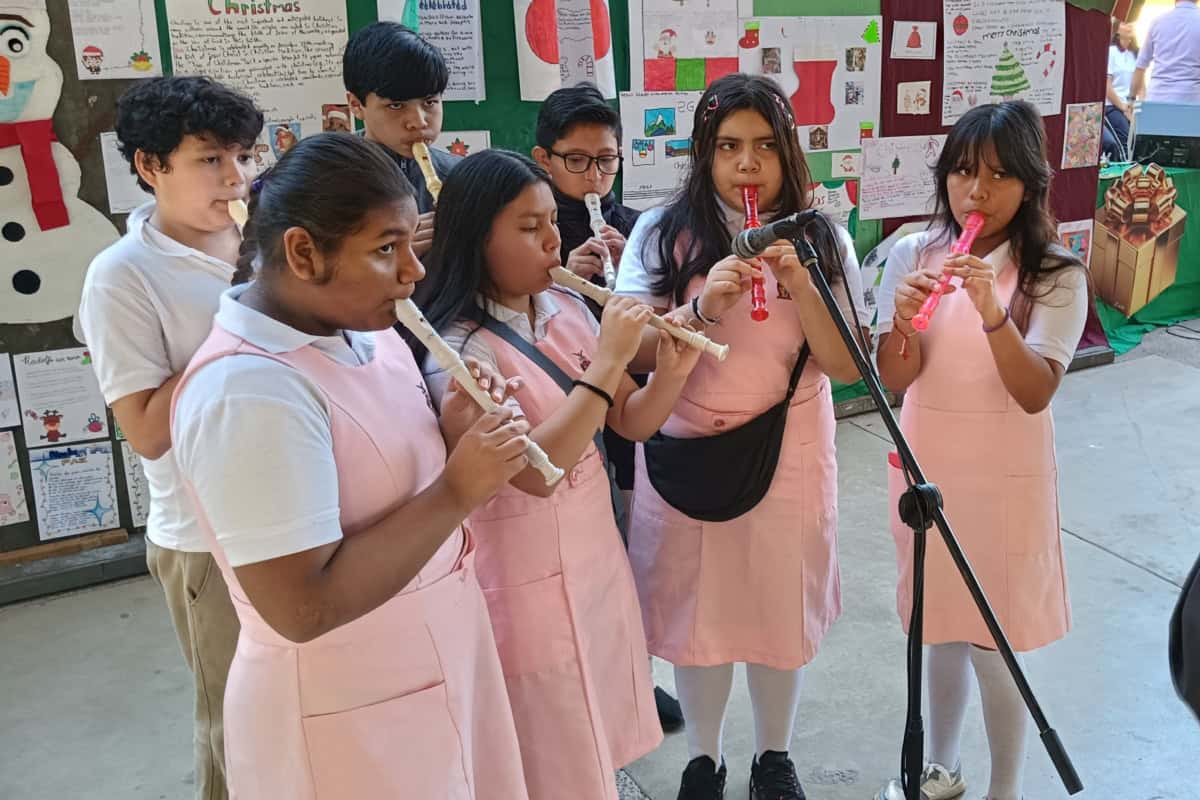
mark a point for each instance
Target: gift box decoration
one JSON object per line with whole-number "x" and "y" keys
{"x": 1135, "y": 252}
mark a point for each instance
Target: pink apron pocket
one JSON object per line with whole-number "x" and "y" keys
{"x": 533, "y": 627}
{"x": 404, "y": 747}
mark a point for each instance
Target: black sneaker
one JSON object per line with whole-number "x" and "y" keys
{"x": 702, "y": 780}
{"x": 670, "y": 715}
{"x": 773, "y": 777}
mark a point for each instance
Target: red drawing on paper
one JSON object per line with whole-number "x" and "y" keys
{"x": 541, "y": 30}
{"x": 811, "y": 103}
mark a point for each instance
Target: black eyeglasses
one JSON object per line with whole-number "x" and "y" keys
{"x": 581, "y": 162}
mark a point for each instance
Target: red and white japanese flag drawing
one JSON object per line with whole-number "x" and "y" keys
{"x": 563, "y": 42}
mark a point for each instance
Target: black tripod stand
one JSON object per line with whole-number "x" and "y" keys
{"x": 921, "y": 507}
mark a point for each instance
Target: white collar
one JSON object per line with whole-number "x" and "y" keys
{"x": 545, "y": 308}
{"x": 273, "y": 336}
{"x": 139, "y": 226}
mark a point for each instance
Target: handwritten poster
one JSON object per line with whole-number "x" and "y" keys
{"x": 829, "y": 69}
{"x": 137, "y": 489}
{"x": 60, "y": 398}
{"x": 914, "y": 40}
{"x": 897, "y": 177}
{"x": 999, "y": 50}
{"x": 684, "y": 45}
{"x": 463, "y": 143}
{"x": 74, "y": 489}
{"x": 115, "y": 39}
{"x": 1076, "y": 236}
{"x": 451, "y": 26}
{"x": 1081, "y": 140}
{"x": 289, "y": 59}
{"x": 563, "y": 42}
{"x": 657, "y": 138}
{"x": 10, "y": 412}
{"x": 13, "y": 508}
{"x": 124, "y": 193}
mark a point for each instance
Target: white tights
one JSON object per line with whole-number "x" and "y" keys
{"x": 704, "y": 694}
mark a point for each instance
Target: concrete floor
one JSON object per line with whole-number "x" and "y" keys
{"x": 95, "y": 697}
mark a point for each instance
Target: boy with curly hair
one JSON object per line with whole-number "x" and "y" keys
{"x": 148, "y": 304}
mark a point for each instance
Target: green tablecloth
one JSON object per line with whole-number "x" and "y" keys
{"x": 1181, "y": 301}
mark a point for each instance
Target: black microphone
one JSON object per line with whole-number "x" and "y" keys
{"x": 752, "y": 241}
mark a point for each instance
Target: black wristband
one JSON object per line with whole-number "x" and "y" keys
{"x": 696, "y": 312}
{"x": 596, "y": 390}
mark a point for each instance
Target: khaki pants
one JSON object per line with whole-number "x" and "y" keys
{"x": 207, "y": 626}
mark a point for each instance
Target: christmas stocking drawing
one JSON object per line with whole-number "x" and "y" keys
{"x": 48, "y": 236}
{"x": 814, "y": 67}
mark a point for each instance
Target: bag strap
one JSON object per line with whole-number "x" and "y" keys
{"x": 542, "y": 360}
{"x": 801, "y": 360}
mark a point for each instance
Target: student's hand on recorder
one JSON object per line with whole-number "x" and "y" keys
{"x": 488, "y": 455}
{"x": 615, "y": 242}
{"x": 914, "y": 290}
{"x": 727, "y": 281}
{"x": 585, "y": 260}
{"x": 460, "y": 411}
{"x": 621, "y": 327}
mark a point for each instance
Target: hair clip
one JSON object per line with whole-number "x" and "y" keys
{"x": 783, "y": 106}
{"x": 714, "y": 103}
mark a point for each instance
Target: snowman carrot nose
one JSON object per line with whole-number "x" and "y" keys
{"x": 5, "y": 75}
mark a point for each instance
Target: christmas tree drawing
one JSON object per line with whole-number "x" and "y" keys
{"x": 1009, "y": 79}
{"x": 871, "y": 34}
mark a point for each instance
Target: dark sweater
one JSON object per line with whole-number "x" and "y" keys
{"x": 573, "y": 220}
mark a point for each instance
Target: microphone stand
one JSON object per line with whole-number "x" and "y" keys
{"x": 921, "y": 507}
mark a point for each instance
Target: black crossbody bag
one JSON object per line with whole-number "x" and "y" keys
{"x": 719, "y": 478}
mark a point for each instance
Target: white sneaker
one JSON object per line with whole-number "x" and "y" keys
{"x": 937, "y": 783}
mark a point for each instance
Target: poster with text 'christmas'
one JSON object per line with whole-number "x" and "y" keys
{"x": 10, "y": 412}
{"x": 60, "y": 397}
{"x": 115, "y": 39}
{"x": 563, "y": 42}
{"x": 452, "y": 26}
{"x": 13, "y": 508}
{"x": 137, "y": 488}
{"x": 657, "y": 131}
{"x": 287, "y": 57}
{"x": 897, "y": 176}
{"x": 829, "y": 69}
{"x": 998, "y": 50}
{"x": 682, "y": 45}
{"x": 74, "y": 489}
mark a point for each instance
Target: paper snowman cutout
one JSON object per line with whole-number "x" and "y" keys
{"x": 48, "y": 236}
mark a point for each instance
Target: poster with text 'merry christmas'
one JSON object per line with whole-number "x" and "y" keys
{"x": 452, "y": 26}
{"x": 657, "y": 131}
{"x": 74, "y": 489}
{"x": 288, "y": 59}
{"x": 998, "y": 50}
{"x": 115, "y": 39}
{"x": 561, "y": 43}
{"x": 60, "y": 397}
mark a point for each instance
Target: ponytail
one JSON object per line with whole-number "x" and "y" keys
{"x": 248, "y": 253}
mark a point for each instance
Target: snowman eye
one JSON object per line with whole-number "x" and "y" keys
{"x": 14, "y": 41}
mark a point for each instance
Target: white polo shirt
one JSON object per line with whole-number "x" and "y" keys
{"x": 1056, "y": 319}
{"x": 147, "y": 306}
{"x": 254, "y": 438}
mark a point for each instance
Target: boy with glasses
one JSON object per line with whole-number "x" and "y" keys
{"x": 579, "y": 144}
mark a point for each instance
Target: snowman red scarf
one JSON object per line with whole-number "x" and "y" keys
{"x": 35, "y": 138}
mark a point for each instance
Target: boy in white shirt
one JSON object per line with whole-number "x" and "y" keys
{"x": 148, "y": 304}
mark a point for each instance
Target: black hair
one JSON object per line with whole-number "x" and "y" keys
{"x": 694, "y": 215}
{"x": 565, "y": 108}
{"x": 155, "y": 115}
{"x": 473, "y": 195}
{"x": 326, "y": 184}
{"x": 1014, "y": 129}
{"x": 393, "y": 62}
